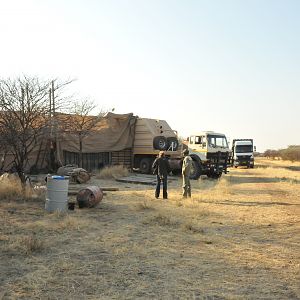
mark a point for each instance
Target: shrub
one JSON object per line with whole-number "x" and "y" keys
{"x": 10, "y": 188}
{"x": 291, "y": 153}
{"x": 113, "y": 172}
{"x": 31, "y": 244}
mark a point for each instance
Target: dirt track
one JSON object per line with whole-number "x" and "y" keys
{"x": 237, "y": 238}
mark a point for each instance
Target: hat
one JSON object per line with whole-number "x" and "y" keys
{"x": 185, "y": 152}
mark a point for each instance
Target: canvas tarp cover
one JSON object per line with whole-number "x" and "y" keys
{"x": 114, "y": 132}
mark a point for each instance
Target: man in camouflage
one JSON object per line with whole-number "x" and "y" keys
{"x": 186, "y": 170}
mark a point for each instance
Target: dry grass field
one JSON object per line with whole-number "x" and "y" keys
{"x": 236, "y": 238}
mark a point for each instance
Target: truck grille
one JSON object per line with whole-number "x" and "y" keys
{"x": 221, "y": 156}
{"x": 243, "y": 157}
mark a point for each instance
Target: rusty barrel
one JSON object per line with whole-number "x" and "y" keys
{"x": 89, "y": 196}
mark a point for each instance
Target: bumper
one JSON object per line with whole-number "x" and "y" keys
{"x": 243, "y": 163}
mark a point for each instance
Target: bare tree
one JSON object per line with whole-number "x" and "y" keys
{"x": 24, "y": 117}
{"x": 80, "y": 121}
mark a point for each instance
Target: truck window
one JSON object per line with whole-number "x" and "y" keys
{"x": 243, "y": 148}
{"x": 211, "y": 141}
{"x": 198, "y": 140}
{"x": 220, "y": 142}
{"x": 217, "y": 141}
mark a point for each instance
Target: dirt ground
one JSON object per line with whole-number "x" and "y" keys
{"x": 236, "y": 238}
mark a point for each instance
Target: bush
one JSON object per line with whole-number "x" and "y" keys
{"x": 291, "y": 153}
{"x": 111, "y": 172}
{"x": 10, "y": 188}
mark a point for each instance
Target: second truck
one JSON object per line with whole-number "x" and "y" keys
{"x": 242, "y": 153}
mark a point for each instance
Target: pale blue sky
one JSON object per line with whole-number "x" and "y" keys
{"x": 228, "y": 66}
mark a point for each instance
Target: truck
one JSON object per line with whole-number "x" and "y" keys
{"x": 210, "y": 153}
{"x": 242, "y": 153}
{"x": 150, "y": 137}
{"x": 209, "y": 150}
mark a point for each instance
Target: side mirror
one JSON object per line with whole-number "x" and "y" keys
{"x": 254, "y": 148}
{"x": 203, "y": 144}
{"x": 188, "y": 139}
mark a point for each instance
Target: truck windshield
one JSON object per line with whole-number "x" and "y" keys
{"x": 217, "y": 141}
{"x": 243, "y": 148}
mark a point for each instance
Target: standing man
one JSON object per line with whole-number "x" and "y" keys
{"x": 186, "y": 170}
{"x": 161, "y": 168}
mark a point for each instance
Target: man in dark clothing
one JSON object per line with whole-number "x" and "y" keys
{"x": 161, "y": 168}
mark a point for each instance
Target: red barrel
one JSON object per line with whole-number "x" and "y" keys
{"x": 89, "y": 196}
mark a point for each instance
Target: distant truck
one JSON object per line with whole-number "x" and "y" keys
{"x": 209, "y": 150}
{"x": 242, "y": 153}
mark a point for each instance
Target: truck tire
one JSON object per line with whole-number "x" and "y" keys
{"x": 145, "y": 165}
{"x": 174, "y": 141}
{"x": 160, "y": 143}
{"x": 196, "y": 170}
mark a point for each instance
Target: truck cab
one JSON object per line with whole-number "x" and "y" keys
{"x": 210, "y": 152}
{"x": 242, "y": 153}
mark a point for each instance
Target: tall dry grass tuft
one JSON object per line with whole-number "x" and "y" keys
{"x": 32, "y": 244}
{"x": 225, "y": 185}
{"x": 10, "y": 189}
{"x": 161, "y": 220}
{"x": 26, "y": 244}
{"x": 112, "y": 172}
{"x": 145, "y": 205}
{"x": 192, "y": 227}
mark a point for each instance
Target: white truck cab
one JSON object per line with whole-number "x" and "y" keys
{"x": 209, "y": 151}
{"x": 243, "y": 153}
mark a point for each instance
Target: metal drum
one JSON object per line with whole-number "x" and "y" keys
{"x": 89, "y": 196}
{"x": 57, "y": 193}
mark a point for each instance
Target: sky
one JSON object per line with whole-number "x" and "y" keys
{"x": 230, "y": 66}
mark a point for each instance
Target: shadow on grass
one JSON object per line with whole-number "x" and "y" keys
{"x": 250, "y": 203}
{"x": 291, "y": 168}
{"x": 248, "y": 179}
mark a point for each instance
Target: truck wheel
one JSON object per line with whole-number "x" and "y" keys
{"x": 160, "y": 143}
{"x": 145, "y": 165}
{"x": 172, "y": 141}
{"x": 196, "y": 170}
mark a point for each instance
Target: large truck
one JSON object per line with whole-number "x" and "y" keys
{"x": 210, "y": 153}
{"x": 209, "y": 150}
{"x": 150, "y": 137}
{"x": 242, "y": 153}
